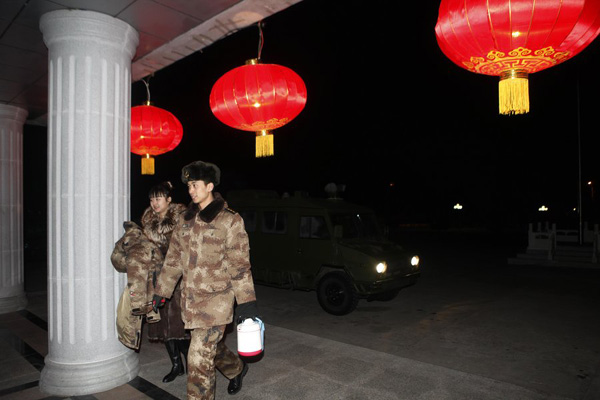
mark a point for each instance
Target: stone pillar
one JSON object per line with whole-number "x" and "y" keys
{"x": 89, "y": 82}
{"x": 12, "y": 294}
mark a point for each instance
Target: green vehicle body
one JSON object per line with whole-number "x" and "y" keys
{"x": 297, "y": 242}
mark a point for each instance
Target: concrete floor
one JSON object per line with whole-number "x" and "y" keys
{"x": 473, "y": 327}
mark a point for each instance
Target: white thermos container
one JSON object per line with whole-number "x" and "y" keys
{"x": 250, "y": 337}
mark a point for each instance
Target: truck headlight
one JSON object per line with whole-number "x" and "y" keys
{"x": 414, "y": 261}
{"x": 381, "y": 267}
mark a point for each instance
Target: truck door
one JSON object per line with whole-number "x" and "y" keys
{"x": 273, "y": 248}
{"x": 314, "y": 247}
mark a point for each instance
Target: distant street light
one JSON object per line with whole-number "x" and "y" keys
{"x": 458, "y": 206}
{"x": 543, "y": 208}
{"x": 591, "y": 185}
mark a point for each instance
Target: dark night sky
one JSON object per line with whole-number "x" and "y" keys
{"x": 385, "y": 105}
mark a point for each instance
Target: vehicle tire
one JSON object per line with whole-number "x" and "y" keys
{"x": 336, "y": 294}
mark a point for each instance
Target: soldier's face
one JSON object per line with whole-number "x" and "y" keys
{"x": 200, "y": 192}
{"x": 160, "y": 204}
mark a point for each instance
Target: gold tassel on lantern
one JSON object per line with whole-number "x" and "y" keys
{"x": 148, "y": 165}
{"x": 264, "y": 144}
{"x": 513, "y": 92}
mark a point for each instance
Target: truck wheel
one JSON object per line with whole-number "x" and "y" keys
{"x": 336, "y": 294}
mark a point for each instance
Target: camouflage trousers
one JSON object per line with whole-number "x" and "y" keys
{"x": 207, "y": 351}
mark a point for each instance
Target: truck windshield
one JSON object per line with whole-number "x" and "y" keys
{"x": 358, "y": 226}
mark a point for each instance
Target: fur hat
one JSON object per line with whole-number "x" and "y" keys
{"x": 201, "y": 171}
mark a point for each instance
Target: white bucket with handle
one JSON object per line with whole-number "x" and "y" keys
{"x": 251, "y": 337}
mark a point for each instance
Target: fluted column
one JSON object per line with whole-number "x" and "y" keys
{"x": 12, "y": 294}
{"x": 89, "y": 81}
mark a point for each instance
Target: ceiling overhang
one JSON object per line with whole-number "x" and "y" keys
{"x": 169, "y": 31}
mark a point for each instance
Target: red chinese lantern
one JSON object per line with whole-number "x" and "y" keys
{"x": 154, "y": 131}
{"x": 258, "y": 98}
{"x": 514, "y": 38}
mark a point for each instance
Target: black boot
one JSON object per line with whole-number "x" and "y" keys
{"x": 184, "y": 346}
{"x": 177, "y": 369}
{"x": 235, "y": 384}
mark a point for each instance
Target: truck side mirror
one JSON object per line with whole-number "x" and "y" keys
{"x": 338, "y": 231}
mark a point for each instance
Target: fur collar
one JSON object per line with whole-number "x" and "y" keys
{"x": 159, "y": 229}
{"x": 209, "y": 213}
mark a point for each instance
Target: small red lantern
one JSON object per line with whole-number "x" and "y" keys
{"x": 512, "y": 39}
{"x": 258, "y": 98}
{"x": 154, "y": 131}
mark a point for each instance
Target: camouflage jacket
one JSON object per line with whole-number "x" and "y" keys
{"x": 139, "y": 257}
{"x": 210, "y": 249}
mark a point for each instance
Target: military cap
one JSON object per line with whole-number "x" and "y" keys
{"x": 201, "y": 171}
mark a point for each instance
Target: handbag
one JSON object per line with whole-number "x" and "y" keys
{"x": 129, "y": 326}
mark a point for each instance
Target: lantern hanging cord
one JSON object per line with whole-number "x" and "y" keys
{"x": 147, "y": 90}
{"x": 261, "y": 39}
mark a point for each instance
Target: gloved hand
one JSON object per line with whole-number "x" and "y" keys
{"x": 157, "y": 301}
{"x": 246, "y": 310}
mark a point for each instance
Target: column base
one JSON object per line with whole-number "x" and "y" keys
{"x": 76, "y": 379}
{"x": 13, "y": 303}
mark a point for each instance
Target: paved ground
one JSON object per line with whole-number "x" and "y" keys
{"x": 473, "y": 327}
{"x": 528, "y": 327}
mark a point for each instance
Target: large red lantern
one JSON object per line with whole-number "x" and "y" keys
{"x": 514, "y": 38}
{"x": 154, "y": 131}
{"x": 258, "y": 98}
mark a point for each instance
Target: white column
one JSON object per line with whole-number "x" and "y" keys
{"x": 12, "y": 294}
{"x": 89, "y": 81}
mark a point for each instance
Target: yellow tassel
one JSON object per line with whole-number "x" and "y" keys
{"x": 264, "y": 144}
{"x": 513, "y": 92}
{"x": 147, "y": 165}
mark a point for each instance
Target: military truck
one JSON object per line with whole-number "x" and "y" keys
{"x": 327, "y": 245}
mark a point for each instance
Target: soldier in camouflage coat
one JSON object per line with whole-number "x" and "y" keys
{"x": 158, "y": 222}
{"x": 209, "y": 249}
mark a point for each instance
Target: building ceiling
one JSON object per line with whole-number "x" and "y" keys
{"x": 169, "y": 30}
